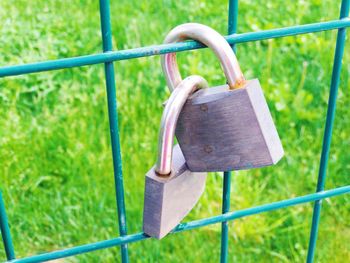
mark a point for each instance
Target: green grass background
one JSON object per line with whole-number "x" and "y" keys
{"x": 56, "y": 169}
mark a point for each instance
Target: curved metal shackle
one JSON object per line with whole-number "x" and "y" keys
{"x": 210, "y": 38}
{"x": 170, "y": 116}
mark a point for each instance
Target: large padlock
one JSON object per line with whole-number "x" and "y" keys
{"x": 226, "y": 127}
{"x": 171, "y": 189}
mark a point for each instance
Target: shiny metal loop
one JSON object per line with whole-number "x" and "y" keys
{"x": 170, "y": 116}
{"x": 210, "y": 38}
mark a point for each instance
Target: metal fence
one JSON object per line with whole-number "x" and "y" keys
{"x": 109, "y": 56}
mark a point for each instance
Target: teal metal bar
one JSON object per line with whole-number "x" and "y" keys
{"x": 226, "y": 192}
{"x": 109, "y": 56}
{"x": 232, "y": 20}
{"x": 168, "y": 48}
{"x": 113, "y": 123}
{"x": 187, "y": 226}
{"x": 338, "y": 56}
{"x": 5, "y": 231}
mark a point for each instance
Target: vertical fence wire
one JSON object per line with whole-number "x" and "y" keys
{"x": 113, "y": 123}
{"x": 116, "y": 149}
{"x": 232, "y": 19}
{"x": 225, "y": 208}
{"x": 5, "y": 231}
{"x": 338, "y": 56}
{"x": 226, "y": 192}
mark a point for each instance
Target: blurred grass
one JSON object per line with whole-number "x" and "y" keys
{"x": 56, "y": 173}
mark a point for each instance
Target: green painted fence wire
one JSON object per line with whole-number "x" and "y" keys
{"x": 109, "y": 56}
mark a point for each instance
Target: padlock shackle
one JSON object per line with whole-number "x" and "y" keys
{"x": 210, "y": 38}
{"x": 170, "y": 116}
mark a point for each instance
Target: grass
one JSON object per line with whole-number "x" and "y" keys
{"x": 56, "y": 173}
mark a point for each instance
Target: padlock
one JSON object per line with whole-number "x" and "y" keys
{"x": 171, "y": 189}
{"x": 226, "y": 127}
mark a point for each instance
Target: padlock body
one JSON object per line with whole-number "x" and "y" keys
{"x": 168, "y": 199}
{"x": 222, "y": 130}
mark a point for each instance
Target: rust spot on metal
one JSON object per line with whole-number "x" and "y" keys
{"x": 156, "y": 51}
{"x": 204, "y": 107}
{"x": 239, "y": 83}
{"x": 162, "y": 175}
{"x": 208, "y": 149}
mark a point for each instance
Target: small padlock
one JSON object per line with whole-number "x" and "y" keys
{"x": 227, "y": 127}
{"x": 171, "y": 189}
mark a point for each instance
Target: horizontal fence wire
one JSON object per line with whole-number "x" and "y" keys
{"x": 167, "y": 48}
{"x": 187, "y": 226}
{"x": 108, "y": 57}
